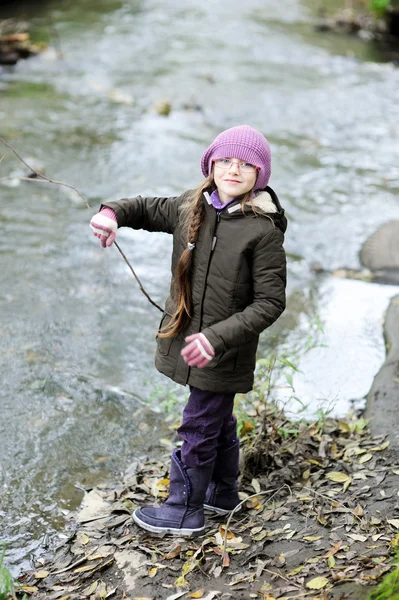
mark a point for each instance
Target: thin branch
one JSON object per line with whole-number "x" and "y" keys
{"x": 137, "y": 279}
{"x": 45, "y": 179}
{"x": 285, "y": 579}
{"x": 241, "y": 503}
{"x": 54, "y": 181}
{"x": 332, "y": 500}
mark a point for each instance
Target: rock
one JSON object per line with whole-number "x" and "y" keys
{"x": 130, "y": 562}
{"x": 94, "y": 507}
{"x": 380, "y": 252}
{"x": 382, "y": 400}
{"x": 162, "y": 107}
{"x": 15, "y": 42}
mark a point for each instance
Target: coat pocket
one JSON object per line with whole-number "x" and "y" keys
{"x": 226, "y": 361}
{"x": 164, "y": 344}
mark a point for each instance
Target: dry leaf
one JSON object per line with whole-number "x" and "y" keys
{"x": 222, "y": 531}
{"x": 337, "y": 477}
{"x": 317, "y": 583}
{"x": 331, "y": 562}
{"x": 394, "y": 522}
{"x": 197, "y": 594}
{"x": 365, "y": 458}
{"x": 152, "y": 572}
{"x": 83, "y": 538}
{"x": 163, "y": 484}
{"x": 91, "y": 589}
{"x": 333, "y": 550}
{"x": 84, "y": 569}
{"x": 40, "y": 574}
{"x": 383, "y": 446}
{"x": 359, "y": 512}
{"x": 357, "y": 537}
{"x": 174, "y": 552}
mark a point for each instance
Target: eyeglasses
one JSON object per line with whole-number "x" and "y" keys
{"x": 226, "y": 163}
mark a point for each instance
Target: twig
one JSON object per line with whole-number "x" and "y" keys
{"x": 45, "y": 179}
{"x": 282, "y": 577}
{"x": 241, "y": 503}
{"x": 332, "y": 500}
{"x": 54, "y": 181}
{"x": 137, "y": 279}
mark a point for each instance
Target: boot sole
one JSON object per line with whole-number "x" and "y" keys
{"x": 171, "y": 530}
{"x": 219, "y": 511}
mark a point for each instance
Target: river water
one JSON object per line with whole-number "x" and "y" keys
{"x": 79, "y": 395}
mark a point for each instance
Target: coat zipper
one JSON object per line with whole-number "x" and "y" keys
{"x": 217, "y": 223}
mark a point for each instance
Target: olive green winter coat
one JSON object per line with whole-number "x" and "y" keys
{"x": 238, "y": 283}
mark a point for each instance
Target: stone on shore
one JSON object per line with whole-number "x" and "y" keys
{"x": 383, "y": 398}
{"x": 381, "y": 249}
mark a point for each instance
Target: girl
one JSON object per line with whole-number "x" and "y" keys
{"x": 228, "y": 285}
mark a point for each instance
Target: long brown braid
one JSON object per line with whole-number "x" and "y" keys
{"x": 191, "y": 217}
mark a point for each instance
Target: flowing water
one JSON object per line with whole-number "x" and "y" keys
{"x": 79, "y": 392}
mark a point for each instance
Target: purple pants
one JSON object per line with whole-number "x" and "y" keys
{"x": 208, "y": 424}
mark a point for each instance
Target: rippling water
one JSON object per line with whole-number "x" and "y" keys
{"x": 76, "y": 334}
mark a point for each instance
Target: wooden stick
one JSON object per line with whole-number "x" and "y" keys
{"x": 43, "y": 179}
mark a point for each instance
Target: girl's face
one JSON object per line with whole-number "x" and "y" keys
{"x": 231, "y": 179}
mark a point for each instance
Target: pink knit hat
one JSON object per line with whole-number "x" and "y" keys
{"x": 244, "y": 143}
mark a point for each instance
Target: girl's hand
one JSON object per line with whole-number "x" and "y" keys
{"x": 198, "y": 352}
{"x": 104, "y": 226}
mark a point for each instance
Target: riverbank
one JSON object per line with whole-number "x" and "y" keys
{"x": 320, "y": 523}
{"x": 15, "y": 42}
{"x": 378, "y": 26}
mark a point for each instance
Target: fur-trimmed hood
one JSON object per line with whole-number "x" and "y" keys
{"x": 267, "y": 201}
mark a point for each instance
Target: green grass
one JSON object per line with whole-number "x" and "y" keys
{"x": 6, "y": 580}
{"x": 389, "y": 586}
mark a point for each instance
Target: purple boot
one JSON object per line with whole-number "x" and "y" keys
{"x": 183, "y": 511}
{"x": 222, "y": 493}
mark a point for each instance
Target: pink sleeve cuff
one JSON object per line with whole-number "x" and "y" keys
{"x": 108, "y": 212}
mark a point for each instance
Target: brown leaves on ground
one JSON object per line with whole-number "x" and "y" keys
{"x": 335, "y": 520}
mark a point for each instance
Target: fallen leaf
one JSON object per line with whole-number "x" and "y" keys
{"x": 359, "y": 512}
{"x": 152, "y": 572}
{"x": 84, "y": 569}
{"x": 296, "y": 571}
{"x": 173, "y": 553}
{"x": 333, "y": 550}
{"x": 198, "y": 594}
{"x": 331, "y": 562}
{"x": 266, "y": 587}
{"x": 346, "y": 484}
{"x": 365, "y": 458}
{"x": 317, "y": 583}
{"x": 41, "y": 574}
{"x": 222, "y": 531}
{"x": 91, "y": 589}
{"x": 83, "y": 538}
{"x": 337, "y": 477}
{"x": 394, "y": 522}
{"x": 29, "y": 589}
{"x": 163, "y": 483}
{"x": 357, "y": 537}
